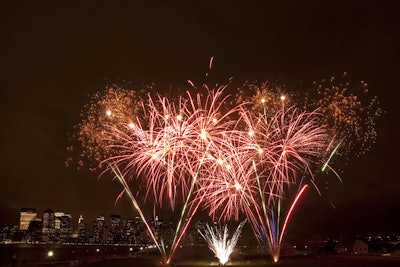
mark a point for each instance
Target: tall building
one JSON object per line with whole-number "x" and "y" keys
{"x": 48, "y": 221}
{"x": 129, "y": 230}
{"x": 65, "y": 227}
{"x": 57, "y": 220}
{"x": 115, "y": 221}
{"x": 35, "y": 230}
{"x": 25, "y": 217}
{"x": 83, "y": 233}
{"x": 98, "y": 229}
{"x": 48, "y": 230}
{"x": 115, "y": 228}
{"x": 141, "y": 234}
{"x": 81, "y": 219}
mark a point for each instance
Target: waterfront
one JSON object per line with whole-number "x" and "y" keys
{"x": 124, "y": 256}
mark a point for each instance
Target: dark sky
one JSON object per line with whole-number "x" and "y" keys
{"x": 56, "y": 53}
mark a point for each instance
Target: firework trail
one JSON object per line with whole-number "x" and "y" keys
{"x": 136, "y": 205}
{"x": 257, "y": 166}
{"x": 225, "y": 183}
{"x": 296, "y": 142}
{"x": 164, "y": 150}
{"x": 218, "y": 241}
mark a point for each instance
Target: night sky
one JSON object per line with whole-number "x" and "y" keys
{"x": 54, "y": 54}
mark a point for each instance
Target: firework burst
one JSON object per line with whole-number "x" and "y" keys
{"x": 165, "y": 149}
{"x": 167, "y": 145}
{"x": 256, "y": 158}
{"x": 264, "y": 160}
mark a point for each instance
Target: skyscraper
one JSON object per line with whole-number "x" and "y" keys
{"x": 48, "y": 221}
{"x": 98, "y": 229}
{"x": 26, "y": 216}
{"x": 35, "y": 230}
{"x": 57, "y": 220}
{"x": 115, "y": 228}
{"x": 129, "y": 230}
{"x": 65, "y": 227}
{"x": 82, "y": 230}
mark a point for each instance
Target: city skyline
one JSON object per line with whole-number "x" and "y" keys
{"x": 53, "y": 62}
{"x": 30, "y": 220}
{"x": 41, "y": 214}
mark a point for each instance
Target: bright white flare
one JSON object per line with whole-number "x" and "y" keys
{"x": 218, "y": 241}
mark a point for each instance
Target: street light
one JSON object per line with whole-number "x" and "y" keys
{"x": 50, "y": 255}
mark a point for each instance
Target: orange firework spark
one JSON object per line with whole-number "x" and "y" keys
{"x": 350, "y": 113}
{"x": 89, "y": 142}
